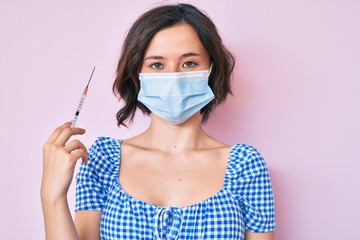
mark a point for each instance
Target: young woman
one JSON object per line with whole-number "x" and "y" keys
{"x": 172, "y": 181}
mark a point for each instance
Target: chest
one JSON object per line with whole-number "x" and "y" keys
{"x": 172, "y": 179}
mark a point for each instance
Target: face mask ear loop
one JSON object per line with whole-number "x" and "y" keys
{"x": 211, "y": 65}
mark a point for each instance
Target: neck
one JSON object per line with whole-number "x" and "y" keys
{"x": 167, "y": 137}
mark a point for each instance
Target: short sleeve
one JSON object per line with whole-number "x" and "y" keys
{"x": 96, "y": 176}
{"x": 251, "y": 184}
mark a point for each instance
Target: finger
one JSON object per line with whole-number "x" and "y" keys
{"x": 66, "y": 134}
{"x": 57, "y": 132}
{"x": 80, "y": 153}
{"x": 73, "y": 145}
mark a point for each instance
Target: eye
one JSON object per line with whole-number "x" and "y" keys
{"x": 189, "y": 64}
{"x": 157, "y": 66}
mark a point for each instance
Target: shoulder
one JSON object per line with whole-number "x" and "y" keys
{"x": 245, "y": 160}
{"x": 106, "y": 145}
{"x": 103, "y": 156}
{"x": 246, "y": 168}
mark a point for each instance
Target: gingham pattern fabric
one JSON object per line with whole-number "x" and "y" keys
{"x": 244, "y": 202}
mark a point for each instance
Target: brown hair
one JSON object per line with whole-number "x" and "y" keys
{"x": 127, "y": 84}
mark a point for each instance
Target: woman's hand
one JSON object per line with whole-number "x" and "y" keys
{"x": 59, "y": 160}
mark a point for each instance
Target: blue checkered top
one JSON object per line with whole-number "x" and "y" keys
{"x": 244, "y": 203}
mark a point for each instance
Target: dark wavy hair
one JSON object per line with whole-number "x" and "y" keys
{"x": 127, "y": 83}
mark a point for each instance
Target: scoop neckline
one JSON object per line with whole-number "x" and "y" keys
{"x": 132, "y": 198}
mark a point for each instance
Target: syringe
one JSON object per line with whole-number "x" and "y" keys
{"x": 73, "y": 122}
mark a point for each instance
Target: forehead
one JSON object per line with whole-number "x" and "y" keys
{"x": 175, "y": 40}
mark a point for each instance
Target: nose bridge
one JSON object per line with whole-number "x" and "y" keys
{"x": 173, "y": 66}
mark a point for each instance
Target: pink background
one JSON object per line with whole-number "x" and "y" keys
{"x": 296, "y": 98}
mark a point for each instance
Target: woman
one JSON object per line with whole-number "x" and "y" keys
{"x": 172, "y": 181}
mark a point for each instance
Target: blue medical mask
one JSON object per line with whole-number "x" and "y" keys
{"x": 175, "y": 97}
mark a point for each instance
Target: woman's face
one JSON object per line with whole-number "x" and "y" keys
{"x": 175, "y": 49}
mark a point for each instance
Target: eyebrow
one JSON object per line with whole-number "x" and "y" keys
{"x": 156, "y": 57}
{"x": 153, "y": 57}
{"x": 190, "y": 54}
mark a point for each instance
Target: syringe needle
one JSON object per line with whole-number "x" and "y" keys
{"x": 90, "y": 77}
{"x": 73, "y": 122}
